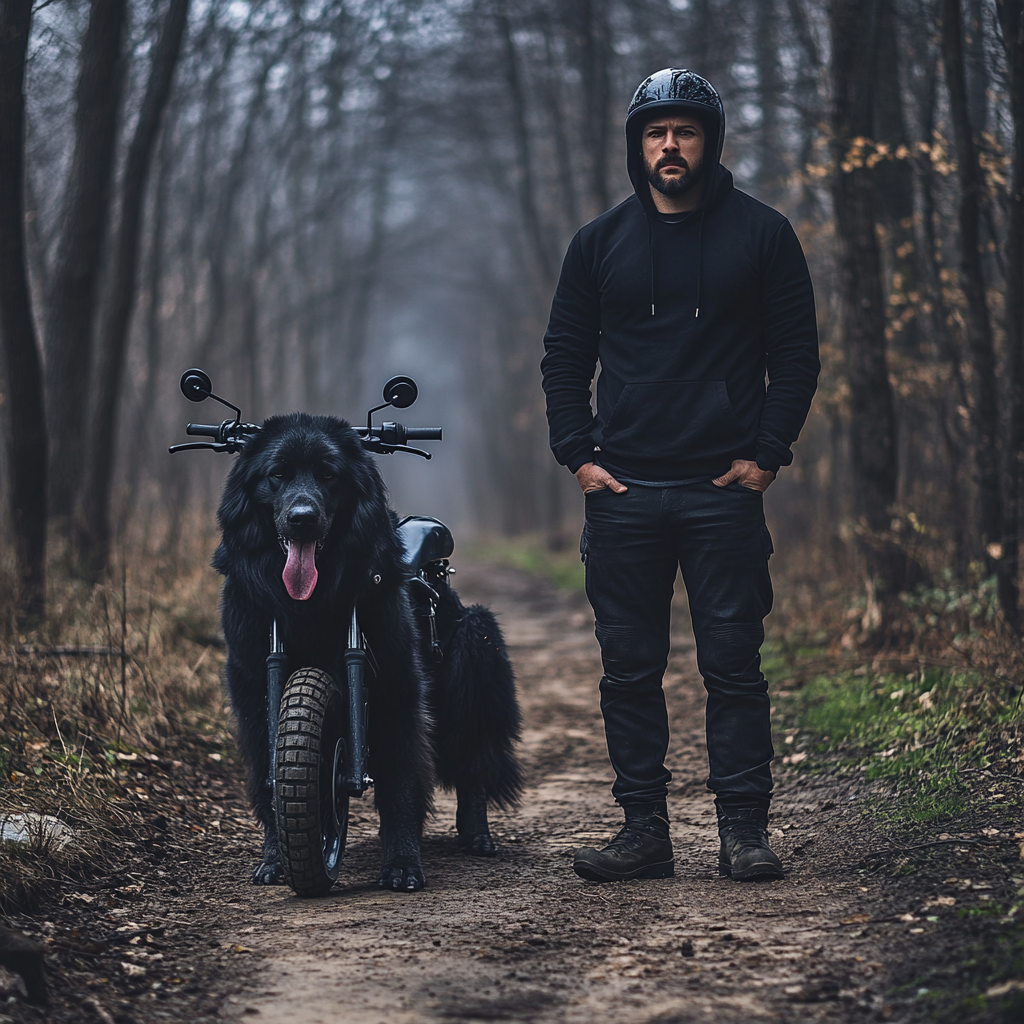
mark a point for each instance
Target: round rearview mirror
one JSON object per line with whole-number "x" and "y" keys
{"x": 196, "y": 385}
{"x": 401, "y": 392}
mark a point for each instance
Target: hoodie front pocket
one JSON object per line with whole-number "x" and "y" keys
{"x": 690, "y": 419}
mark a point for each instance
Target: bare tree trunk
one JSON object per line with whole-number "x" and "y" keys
{"x": 357, "y": 335}
{"x": 69, "y": 327}
{"x": 854, "y": 28}
{"x": 895, "y": 187}
{"x": 985, "y": 412}
{"x": 94, "y": 536}
{"x": 553, "y": 96}
{"x": 544, "y": 271}
{"x": 139, "y": 432}
{"x": 26, "y": 434}
{"x": 771, "y": 171}
{"x": 595, "y": 45}
{"x": 1011, "y": 21}
{"x": 808, "y": 102}
{"x": 219, "y": 229}
{"x": 976, "y": 66}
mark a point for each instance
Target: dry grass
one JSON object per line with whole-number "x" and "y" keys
{"x": 121, "y": 669}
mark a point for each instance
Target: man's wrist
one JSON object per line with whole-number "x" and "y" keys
{"x": 579, "y": 459}
{"x": 767, "y": 462}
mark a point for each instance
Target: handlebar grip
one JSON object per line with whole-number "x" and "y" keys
{"x": 423, "y": 433}
{"x": 203, "y": 429}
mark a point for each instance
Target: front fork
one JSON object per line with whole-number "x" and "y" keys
{"x": 355, "y": 780}
{"x": 277, "y": 670}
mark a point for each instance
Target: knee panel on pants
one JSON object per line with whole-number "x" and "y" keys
{"x": 729, "y": 656}
{"x": 628, "y": 651}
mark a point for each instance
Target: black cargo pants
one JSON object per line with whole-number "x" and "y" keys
{"x": 632, "y": 544}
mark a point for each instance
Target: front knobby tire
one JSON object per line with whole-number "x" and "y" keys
{"x": 310, "y": 802}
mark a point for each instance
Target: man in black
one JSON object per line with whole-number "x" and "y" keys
{"x": 688, "y": 293}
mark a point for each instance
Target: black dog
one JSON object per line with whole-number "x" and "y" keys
{"x": 307, "y": 533}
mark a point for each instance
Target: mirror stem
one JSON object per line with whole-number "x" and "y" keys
{"x": 233, "y": 408}
{"x": 369, "y": 415}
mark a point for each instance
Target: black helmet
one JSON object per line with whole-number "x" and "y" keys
{"x": 682, "y": 90}
{"x": 676, "y": 87}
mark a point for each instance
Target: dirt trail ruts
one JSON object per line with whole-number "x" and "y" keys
{"x": 521, "y": 938}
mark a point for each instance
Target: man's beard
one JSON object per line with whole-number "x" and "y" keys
{"x": 673, "y": 186}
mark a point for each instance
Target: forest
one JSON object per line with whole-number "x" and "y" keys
{"x": 300, "y": 196}
{"x": 305, "y": 197}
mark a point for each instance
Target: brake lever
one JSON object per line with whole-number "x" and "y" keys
{"x": 405, "y": 448}
{"x": 213, "y": 446}
{"x": 376, "y": 447}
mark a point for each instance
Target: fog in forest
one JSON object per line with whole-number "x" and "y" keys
{"x": 328, "y": 192}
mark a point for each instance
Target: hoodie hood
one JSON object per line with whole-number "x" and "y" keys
{"x": 682, "y": 90}
{"x": 676, "y": 89}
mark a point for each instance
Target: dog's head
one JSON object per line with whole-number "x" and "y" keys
{"x": 305, "y": 485}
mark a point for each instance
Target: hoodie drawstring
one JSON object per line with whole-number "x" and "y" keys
{"x": 700, "y": 260}
{"x": 650, "y": 253}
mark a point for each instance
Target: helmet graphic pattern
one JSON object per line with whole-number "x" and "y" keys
{"x": 675, "y": 84}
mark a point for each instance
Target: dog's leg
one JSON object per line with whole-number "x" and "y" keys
{"x": 254, "y": 740}
{"x": 247, "y": 687}
{"x": 471, "y": 821}
{"x": 477, "y": 722}
{"x": 399, "y": 747}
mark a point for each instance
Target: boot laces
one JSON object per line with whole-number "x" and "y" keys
{"x": 631, "y": 835}
{"x": 746, "y": 832}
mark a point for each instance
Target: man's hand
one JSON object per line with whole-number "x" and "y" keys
{"x": 592, "y": 477}
{"x": 749, "y": 474}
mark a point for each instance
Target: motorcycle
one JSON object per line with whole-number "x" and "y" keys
{"x": 328, "y": 747}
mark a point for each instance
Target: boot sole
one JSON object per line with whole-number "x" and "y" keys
{"x": 592, "y": 874}
{"x": 763, "y": 872}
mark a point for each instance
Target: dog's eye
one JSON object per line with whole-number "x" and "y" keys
{"x": 276, "y": 474}
{"x": 327, "y": 475}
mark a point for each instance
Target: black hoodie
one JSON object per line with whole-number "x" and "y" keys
{"x": 686, "y": 314}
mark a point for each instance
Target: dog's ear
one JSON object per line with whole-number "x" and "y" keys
{"x": 237, "y": 514}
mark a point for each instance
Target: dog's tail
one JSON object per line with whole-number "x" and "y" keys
{"x": 479, "y": 720}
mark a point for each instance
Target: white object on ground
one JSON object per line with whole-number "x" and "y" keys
{"x": 38, "y": 830}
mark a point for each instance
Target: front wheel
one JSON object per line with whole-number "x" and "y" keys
{"x": 311, "y": 801}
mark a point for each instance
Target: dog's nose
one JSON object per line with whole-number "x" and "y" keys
{"x": 302, "y": 515}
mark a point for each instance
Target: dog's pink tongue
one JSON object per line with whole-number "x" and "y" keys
{"x": 300, "y": 573}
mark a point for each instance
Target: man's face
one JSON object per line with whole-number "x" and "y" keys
{"x": 673, "y": 149}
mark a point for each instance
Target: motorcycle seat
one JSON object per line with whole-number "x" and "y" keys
{"x": 425, "y": 540}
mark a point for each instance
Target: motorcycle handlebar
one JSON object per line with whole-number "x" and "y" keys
{"x": 398, "y": 433}
{"x": 232, "y": 435}
{"x": 203, "y": 429}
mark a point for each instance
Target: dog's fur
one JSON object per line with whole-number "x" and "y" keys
{"x": 308, "y": 479}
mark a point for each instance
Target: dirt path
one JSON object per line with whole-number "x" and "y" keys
{"x": 521, "y": 938}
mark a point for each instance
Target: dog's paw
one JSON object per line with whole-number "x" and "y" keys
{"x": 268, "y": 872}
{"x": 402, "y": 877}
{"x": 479, "y": 844}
